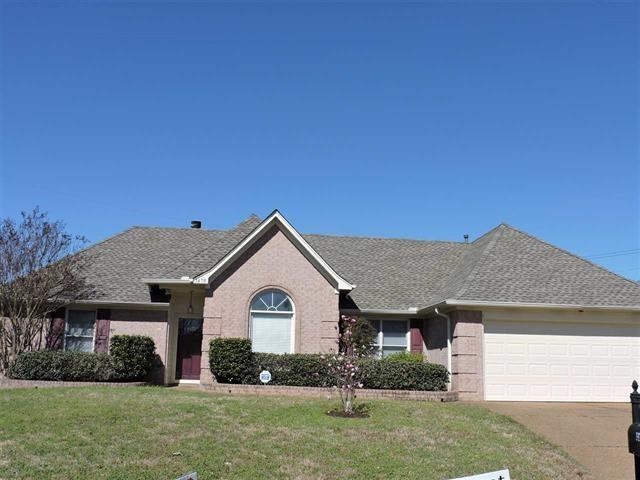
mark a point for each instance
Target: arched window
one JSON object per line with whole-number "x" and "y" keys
{"x": 272, "y": 322}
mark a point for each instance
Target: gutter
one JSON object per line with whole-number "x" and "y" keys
{"x": 448, "y": 318}
{"x": 411, "y": 311}
{"x": 168, "y": 281}
{"x": 556, "y": 306}
{"x": 544, "y": 306}
{"x": 136, "y": 305}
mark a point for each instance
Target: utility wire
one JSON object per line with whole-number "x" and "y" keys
{"x": 619, "y": 253}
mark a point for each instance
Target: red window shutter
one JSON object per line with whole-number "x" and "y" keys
{"x": 416, "y": 335}
{"x": 55, "y": 335}
{"x": 103, "y": 324}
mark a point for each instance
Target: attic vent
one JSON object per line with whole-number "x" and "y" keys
{"x": 196, "y": 224}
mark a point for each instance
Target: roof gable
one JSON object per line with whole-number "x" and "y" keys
{"x": 278, "y": 220}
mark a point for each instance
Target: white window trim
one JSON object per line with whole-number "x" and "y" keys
{"x": 292, "y": 343}
{"x": 66, "y": 326}
{"x": 379, "y": 343}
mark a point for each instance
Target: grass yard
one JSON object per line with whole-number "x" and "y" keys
{"x": 159, "y": 433}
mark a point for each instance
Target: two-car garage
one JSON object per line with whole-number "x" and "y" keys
{"x": 560, "y": 356}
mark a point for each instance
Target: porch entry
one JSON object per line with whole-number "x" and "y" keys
{"x": 189, "y": 349}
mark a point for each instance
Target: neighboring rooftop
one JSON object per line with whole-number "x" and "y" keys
{"x": 504, "y": 265}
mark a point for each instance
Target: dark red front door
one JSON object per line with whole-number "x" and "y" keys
{"x": 189, "y": 348}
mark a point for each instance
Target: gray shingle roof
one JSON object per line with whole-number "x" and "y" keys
{"x": 504, "y": 265}
{"x": 389, "y": 273}
{"x": 120, "y": 262}
{"x": 517, "y": 267}
{"x": 209, "y": 255}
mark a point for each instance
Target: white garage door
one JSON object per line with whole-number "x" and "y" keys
{"x": 560, "y": 361}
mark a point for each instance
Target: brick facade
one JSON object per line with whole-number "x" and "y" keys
{"x": 330, "y": 393}
{"x": 272, "y": 262}
{"x": 152, "y": 323}
{"x": 467, "y": 373}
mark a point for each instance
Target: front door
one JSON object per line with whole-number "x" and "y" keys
{"x": 189, "y": 348}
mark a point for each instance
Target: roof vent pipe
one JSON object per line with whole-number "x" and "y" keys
{"x": 466, "y": 238}
{"x": 196, "y": 224}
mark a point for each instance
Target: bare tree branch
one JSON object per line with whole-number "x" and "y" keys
{"x": 41, "y": 270}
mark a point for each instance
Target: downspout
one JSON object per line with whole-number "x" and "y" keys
{"x": 448, "y": 318}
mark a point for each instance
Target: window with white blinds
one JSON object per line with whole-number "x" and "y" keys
{"x": 272, "y": 322}
{"x": 393, "y": 336}
{"x": 271, "y": 333}
{"x": 79, "y": 330}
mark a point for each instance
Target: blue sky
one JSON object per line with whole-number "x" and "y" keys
{"x": 423, "y": 120}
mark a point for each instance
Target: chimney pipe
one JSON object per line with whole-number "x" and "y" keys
{"x": 466, "y": 238}
{"x": 196, "y": 224}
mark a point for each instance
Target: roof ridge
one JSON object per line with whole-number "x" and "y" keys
{"x": 227, "y": 234}
{"x": 569, "y": 253}
{"x": 491, "y": 230}
{"x": 251, "y": 217}
{"x": 145, "y": 227}
{"x": 402, "y": 239}
{"x": 497, "y": 232}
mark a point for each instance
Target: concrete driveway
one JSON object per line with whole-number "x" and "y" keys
{"x": 595, "y": 434}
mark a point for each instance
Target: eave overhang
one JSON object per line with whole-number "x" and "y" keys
{"x": 452, "y": 302}
{"x": 168, "y": 282}
{"x": 127, "y": 305}
{"x": 381, "y": 312}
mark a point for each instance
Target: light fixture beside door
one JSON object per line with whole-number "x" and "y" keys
{"x": 190, "y": 307}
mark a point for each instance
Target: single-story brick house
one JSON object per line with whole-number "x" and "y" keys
{"x": 512, "y": 317}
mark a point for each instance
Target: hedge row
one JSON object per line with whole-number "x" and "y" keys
{"x": 296, "y": 369}
{"x": 63, "y": 366}
{"x": 395, "y": 375}
{"x": 231, "y": 361}
{"x": 130, "y": 358}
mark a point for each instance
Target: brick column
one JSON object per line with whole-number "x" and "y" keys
{"x": 467, "y": 376}
{"x": 211, "y": 328}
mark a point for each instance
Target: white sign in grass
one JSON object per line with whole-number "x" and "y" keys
{"x": 500, "y": 475}
{"x": 265, "y": 376}
{"x": 189, "y": 476}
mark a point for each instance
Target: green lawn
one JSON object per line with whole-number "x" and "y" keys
{"x": 160, "y": 433}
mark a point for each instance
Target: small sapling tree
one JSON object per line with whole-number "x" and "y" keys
{"x": 343, "y": 366}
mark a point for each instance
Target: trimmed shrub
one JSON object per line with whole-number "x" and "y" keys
{"x": 231, "y": 360}
{"x": 63, "y": 366}
{"x": 410, "y": 357}
{"x": 387, "y": 375}
{"x": 132, "y": 356}
{"x": 301, "y": 370}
